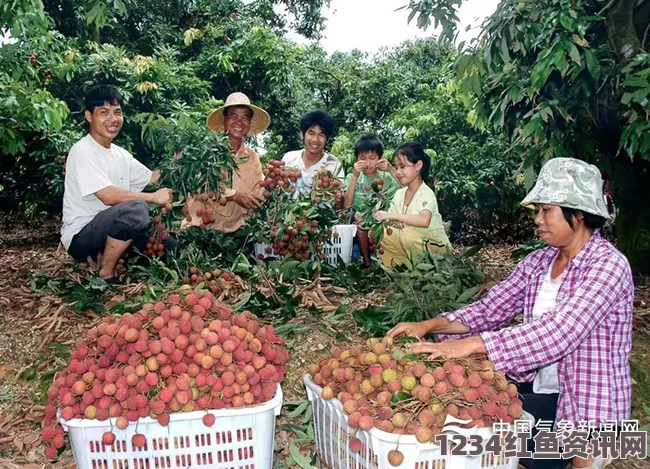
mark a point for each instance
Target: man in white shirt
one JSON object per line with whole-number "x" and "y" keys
{"x": 316, "y": 128}
{"x": 104, "y": 208}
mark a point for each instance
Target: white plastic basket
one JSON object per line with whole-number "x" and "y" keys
{"x": 333, "y": 435}
{"x": 339, "y": 245}
{"x": 260, "y": 248}
{"x": 241, "y": 438}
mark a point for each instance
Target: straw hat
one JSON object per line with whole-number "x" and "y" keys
{"x": 259, "y": 123}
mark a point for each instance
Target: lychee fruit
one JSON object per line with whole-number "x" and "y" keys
{"x": 419, "y": 369}
{"x": 439, "y": 374}
{"x": 395, "y": 457}
{"x": 139, "y": 440}
{"x": 423, "y": 434}
{"x": 408, "y": 382}
{"x": 208, "y": 420}
{"x": 108, "y": 438}
{"x": 366, "y": 423}
{"x": 328, "y": 393}
{"x": 389, "y": 375}
{"x": 355, "y": 445}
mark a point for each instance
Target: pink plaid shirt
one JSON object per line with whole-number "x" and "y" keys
{"x": 588, "y": 333}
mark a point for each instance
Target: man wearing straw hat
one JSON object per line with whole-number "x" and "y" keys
{"x": 237, "y": 118}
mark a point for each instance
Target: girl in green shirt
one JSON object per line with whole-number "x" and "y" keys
{"x": 370, "y": 166}
{"x": 414, "y": 220}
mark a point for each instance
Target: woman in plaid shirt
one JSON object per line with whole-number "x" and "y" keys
{"x": 571, "y": 354}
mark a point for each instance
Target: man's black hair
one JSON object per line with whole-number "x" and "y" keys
{"x": 98, "y": 95}
{"x": 318, "y": 118}
{"x": 414, "y": 152}
{"x": 368, "y": 143}
{"x": 593, "y": 222}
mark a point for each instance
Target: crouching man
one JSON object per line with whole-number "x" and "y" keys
{"x": 104, "y": 209}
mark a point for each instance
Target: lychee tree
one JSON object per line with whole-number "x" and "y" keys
{"x": 568, "y": 78}
{"x": 197, "y": 164}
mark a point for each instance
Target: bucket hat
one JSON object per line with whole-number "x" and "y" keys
{"x": 570, "y": 183}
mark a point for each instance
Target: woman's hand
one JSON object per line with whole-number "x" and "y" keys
{"x": 410, "y": 329}
{"x": 382, "y": 215}
{"x": 450, "y": 348}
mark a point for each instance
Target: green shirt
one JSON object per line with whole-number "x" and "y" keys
{"x": 423, "y": 199}
{"x": 363, "y": 188}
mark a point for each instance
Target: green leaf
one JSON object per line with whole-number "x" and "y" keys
{"x": 299, "y": 410}
{"x": 296, "y": 429}
{"x": 308, "y": 416}
{"x": 566, "y": 21}
{"x": 405, "y": 339}
{"x": 531, "y": 128}
{"x": 467, "y": 294}
{"x": 298, "y": 457}
{"x": 627, "y": 97}
{"x": 400, "y": 396}
{"x": 575, "y": 54}
{"x": 411, "y": 16}
{"x": 639, "y": 96}
{"x": 505, "y": 54}
{"x": 540, "y": 74}
{"x": 411, "y": 357}
{"x": 472, "y": 251}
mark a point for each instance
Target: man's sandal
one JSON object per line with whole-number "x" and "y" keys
{"x": 113, "y": 281}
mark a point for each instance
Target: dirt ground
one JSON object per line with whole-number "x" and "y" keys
{"x": 35, "y": 327}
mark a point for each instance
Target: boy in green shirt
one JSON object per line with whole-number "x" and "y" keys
{"x": 370, "y": 166}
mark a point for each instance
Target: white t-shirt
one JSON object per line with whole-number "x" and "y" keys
{"x": 90, "y": 168}
{"x": 546, "y": 381}
{"x": 293, "y": 159}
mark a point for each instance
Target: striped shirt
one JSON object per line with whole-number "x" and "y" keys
{"x": 588, "y": 332}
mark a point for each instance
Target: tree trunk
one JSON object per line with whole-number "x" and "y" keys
{"x": 620, "y": 28}
{"x": 630, "y": 185}
{"x": 630, "y": 179}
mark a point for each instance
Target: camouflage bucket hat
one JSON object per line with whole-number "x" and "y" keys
{"x": 570, "y": 183}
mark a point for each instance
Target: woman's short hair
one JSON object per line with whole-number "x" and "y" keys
{"x": 593, "y": 222}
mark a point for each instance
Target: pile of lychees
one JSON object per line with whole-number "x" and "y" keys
{"x": 279, "y": 178}
{"x": 326, "y": 187}
{"x": 186, "y": 354}
{"x": 380, "y": 386}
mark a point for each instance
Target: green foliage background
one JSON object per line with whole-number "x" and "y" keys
{"x": 544, "y": 79}
{"x": 175, "y": 63}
